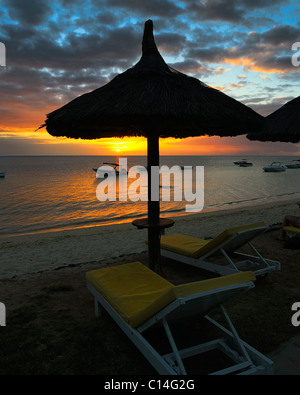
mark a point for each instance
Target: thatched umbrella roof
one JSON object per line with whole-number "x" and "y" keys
{"x": 151, "y": 97}
{"x": 282, "y": 125}
{"x": 153, "y": 100}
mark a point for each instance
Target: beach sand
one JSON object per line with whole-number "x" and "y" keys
{"x": 47, "y": 251}
{"x": 31, "y": 264}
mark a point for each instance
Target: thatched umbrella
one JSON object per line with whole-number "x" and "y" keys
{"x": 282, "y": 125}
{"x": 152, "y": 100}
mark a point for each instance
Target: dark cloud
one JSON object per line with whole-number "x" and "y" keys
{"x": 171, "y": 43}
{"x": 283, "y": 35}
{"x": 231, "y": 11}
{"x": 32, "y": 48}
{"x": 269, "y": 51}
{"x": 151, "y": 8}
{"x": 191, "y": 66}
{"x": 227, "y": 10}
{"x": 212, "y": 54}
{"x": 107, "y": 18}
{"x": 33, "y": 12}
{"x": 257, "y": 4}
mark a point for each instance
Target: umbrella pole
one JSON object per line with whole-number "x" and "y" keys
{"x": 153, "y": 205}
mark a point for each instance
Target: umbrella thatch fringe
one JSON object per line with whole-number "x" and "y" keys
{"x": 282, "y": 125}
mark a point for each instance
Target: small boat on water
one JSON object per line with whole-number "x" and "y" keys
{"x": 275, "y": 167}
{"x": 295, "y": 164}
{"x": 243, "y": 163}
{"x": 115, "y": 167}
{"x": 247, "y": 164}
{"x": 2, "y": 174}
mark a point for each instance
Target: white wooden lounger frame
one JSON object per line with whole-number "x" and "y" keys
{"x": 246, "y": 360}
{"x": 257, "y": 263}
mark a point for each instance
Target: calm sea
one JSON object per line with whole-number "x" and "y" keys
{"x": 43, "y": 193}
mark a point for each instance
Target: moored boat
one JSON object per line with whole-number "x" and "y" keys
{"x": 243, "y": 163}
{"x": 246, "y": 164}
{"x": 115, "y": 167}
{"x": 294, "y": 164}
{"x": 275, "y": 167}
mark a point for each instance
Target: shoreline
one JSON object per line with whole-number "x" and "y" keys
{"x": 31, "y": 253}
{"x": 209, "y": 210}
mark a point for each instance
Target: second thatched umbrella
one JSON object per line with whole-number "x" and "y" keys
{"x": 152, "y": 100}
{"x": 282, "y": 125}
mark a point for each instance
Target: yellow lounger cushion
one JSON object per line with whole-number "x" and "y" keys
{"x": 292, "y": 229}
{"x": 195, "y": 247}
{"x": 213, "y": 283}
{"x": 182, "y": 244}
{"x": 137, "y": 293}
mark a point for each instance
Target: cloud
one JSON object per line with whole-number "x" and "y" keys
{"x": 58, "y": 50}
{"x": 231, "y": 11}
{"x": 152, "y": 8}
{"x": 279, "y": 36}
{"x": 221, "y": 70}
{"x": 216, "y": 10}
{"x": 190, "y": 66}
{"x": 170, "y": 43}
{"x": 33, "y": 12}
{"x": 236, "y": 85}
{"x": 268, "y": 52}
{"x": 31, "y": 48}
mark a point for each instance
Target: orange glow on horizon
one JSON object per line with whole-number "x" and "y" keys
{"x": 26, "y": 140}
{"x": 202, "y": 145}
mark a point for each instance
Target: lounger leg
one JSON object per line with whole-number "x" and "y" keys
{"x": 174, "y": 347}
{"x": 231, "y": 263}
{"x": 235, "y": 334}
{"x": 97, "y": 308}
{"x": 258, "y": 254}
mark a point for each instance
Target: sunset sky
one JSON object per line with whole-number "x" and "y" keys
{"x": 59, "y": 49}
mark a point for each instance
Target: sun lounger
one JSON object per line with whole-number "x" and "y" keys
{"x": 139, "y": 300}
{"x": 197, "y": 252}
{"x": 292, "y": 229}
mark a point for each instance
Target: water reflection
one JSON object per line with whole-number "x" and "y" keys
{"x": 57, "y": 192}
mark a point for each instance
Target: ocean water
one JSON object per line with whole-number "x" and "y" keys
{"x": 45, "y": 193}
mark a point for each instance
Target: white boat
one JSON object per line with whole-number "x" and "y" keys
{"x": 275, "y": 167}
{"x": 2, "y": 175}
{"x": 115, "y": 167}
{"x": 243, "y": 163}
{"x": 295, "y": 164}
